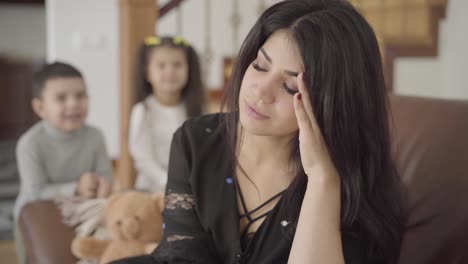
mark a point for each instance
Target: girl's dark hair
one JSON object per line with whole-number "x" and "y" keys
{"x": 192, "y": 93}
{"x": 52, "y": 71}
{"x": 343, "y": 72}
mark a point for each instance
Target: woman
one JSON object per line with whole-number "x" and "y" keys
{"x": 299, "y": 169}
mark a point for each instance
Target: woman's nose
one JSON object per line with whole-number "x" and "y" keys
{"x": 264, "y": 90}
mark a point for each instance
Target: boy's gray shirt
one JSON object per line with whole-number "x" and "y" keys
{"x": 50, "y": 161}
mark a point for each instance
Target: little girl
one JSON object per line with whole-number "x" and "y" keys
{"x": 169, "y": 90}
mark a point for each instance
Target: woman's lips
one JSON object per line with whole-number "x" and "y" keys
{"x": 252, "y": 112}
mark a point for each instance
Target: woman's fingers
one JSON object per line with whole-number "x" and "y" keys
{"x": 306, "y": 101}
{"x": 312, "y": 146}
{"x": 301, "y": 114}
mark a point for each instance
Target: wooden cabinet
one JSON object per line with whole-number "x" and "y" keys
{"x": 41, "y": 2}
{"x": 16, "y": 114}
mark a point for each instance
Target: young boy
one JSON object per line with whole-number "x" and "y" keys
{"x": 61, "y": 155}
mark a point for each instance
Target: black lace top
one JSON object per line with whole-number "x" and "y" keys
{"x": 201, "y": 216}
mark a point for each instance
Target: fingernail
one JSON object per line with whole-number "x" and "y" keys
{"x": 299, "y": 96}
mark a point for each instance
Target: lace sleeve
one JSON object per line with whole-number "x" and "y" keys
{"x": 184, "y": 240}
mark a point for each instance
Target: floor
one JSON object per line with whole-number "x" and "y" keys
{"x": 7, "y": 252}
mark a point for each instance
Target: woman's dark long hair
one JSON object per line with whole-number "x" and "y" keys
{"x": 192, "y": 93}
{"x": 343, "y": 72}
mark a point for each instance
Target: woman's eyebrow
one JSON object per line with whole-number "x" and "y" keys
{"x": 291, "y": 73}
{"x": 267, "y": 57}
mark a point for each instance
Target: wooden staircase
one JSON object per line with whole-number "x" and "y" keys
{"x": 404, "y": 28}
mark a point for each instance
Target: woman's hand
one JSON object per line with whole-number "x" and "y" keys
{"x": 318, "y": 236}
{"x": 316, "y": 160}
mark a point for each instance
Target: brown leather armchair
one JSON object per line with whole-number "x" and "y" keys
{"x": 46, "y": 239}
{"x": 430, "y": 140}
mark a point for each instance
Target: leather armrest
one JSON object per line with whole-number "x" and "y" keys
{"x": 46, "y": 239}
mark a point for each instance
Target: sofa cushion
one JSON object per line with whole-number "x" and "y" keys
{"x": 430, "y": 140}
{"x": 47, "y": 240}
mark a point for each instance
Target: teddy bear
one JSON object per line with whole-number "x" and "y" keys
{"x": 134, "y": 222}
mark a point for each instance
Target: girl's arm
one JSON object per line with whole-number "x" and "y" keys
{"x": 318, "y": 237}
{"x": 155, "y": 175}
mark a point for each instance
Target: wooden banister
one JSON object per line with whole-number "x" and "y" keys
{"x": 405, "y": 28}
{"x": 137, "y": 20}
{"x": 429, "y": 48}
{"x": 169, "y": 6}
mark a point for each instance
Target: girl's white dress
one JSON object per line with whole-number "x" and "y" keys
{"x": 151, "y": 128}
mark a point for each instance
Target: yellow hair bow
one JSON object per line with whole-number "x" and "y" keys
{"x": 152, "y": 41}
{"x": 180, "y": 41}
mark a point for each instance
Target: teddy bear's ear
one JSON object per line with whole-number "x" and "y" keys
{"x": 112, "y": 199}
{"x": 159, "y": 199}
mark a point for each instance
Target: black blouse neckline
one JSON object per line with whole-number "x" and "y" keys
{"x": 201, "y": 169}
{"x": 246, "y": 238}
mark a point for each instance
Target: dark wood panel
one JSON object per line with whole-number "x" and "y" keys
{"x": 16, "y": 114}
{"x": 40, "y": 2}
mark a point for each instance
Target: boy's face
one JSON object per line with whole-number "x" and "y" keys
{"x": 63, "y": 103}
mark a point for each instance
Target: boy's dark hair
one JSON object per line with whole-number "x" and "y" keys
{"x": 51, "y": 71}
{"x": 192, "y": 93}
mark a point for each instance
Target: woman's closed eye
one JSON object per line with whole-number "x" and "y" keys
{"x": 257, "y": 67}
{"x": 284, "y": 85}
{"x": 289, "y": 90}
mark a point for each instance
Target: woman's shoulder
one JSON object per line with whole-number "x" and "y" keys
{"x": 202, "y": 130}
{"x": 205, "y": 122}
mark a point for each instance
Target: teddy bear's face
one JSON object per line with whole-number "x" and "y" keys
{"x": 135, "y": 216}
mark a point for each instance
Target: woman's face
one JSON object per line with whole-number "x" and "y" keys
{"x": 266, "y": 95}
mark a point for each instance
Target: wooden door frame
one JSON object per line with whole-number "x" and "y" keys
{"x": 137, "y": 20}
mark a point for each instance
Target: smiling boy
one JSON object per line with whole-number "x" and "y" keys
{"x": 61, "y": 155}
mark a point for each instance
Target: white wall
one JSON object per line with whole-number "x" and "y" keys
{"x": 85, "y": 34}
{"x": 444, "y": 76}
{"x": 23, "y": 28}
{"x": 193, "y": 29}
